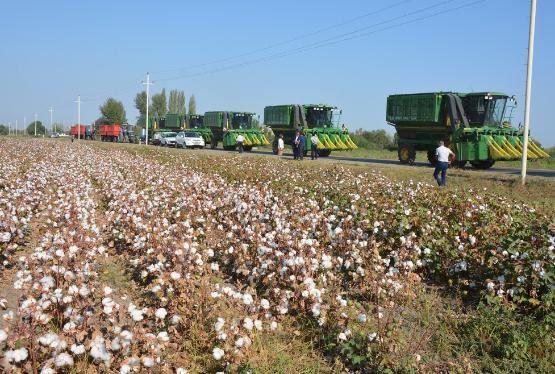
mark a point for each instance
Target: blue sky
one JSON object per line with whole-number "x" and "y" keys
{"x": 55, "y": 50}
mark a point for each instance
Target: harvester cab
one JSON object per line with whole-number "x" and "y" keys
{"x": 477, "y": 126}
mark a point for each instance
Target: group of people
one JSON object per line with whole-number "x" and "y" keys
{"x": 299, "y": 146}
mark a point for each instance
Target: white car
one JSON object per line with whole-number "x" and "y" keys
{"x": 189, "y": 139}
{"x": 167, "y": 139}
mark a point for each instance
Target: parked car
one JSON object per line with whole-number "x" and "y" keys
{"x": 167, "y": 139}
{"x": 54, "y": 135}
{"x": 189, "y": 139}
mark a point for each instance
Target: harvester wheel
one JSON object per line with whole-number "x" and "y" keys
{"x": 275, "y": 146}
{"x": 247, "y": 148}
{"x": 407, "y": 154}
{"x": 324, "y": 152}
{"x": 213, "y": 143}
{"x": 482, "y": 165}
{"x": 432, "y": 158}
{"x": 458, "y": 164}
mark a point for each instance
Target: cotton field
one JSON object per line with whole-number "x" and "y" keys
{"x": 213, "y": 255}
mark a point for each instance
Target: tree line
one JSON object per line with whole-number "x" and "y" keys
{"x": 112, "y": 111}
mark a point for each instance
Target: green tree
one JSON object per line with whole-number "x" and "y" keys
{"x": 140, "y": 104}
{"x": 31, "y": 128}
{"x": 192, "y": 105}
{"x": 177, "y": 102}
{"x": 4, "y": 130}
{"x": 58, "y": 127}
{"x": 159, "y": 106}
{"x": 112, "y": 111}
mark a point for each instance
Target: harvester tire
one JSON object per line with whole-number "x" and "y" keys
{"x": 324, "y": 152}
{"x": 247, "y": 148}
{"x": 213, "y": 143}
{"x": 407, "y": 154}
{"x": 432, "y": 158}
{"x": 482, "y": 165}
{"x": 458, "y": 164}
{"x": 275, "y": 147}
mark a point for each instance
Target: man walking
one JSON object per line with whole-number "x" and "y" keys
{"x": 314, "y": 150}
{"x": 302, "y": 142}
{"x": 296, "y": 145}
{"x": 240, "y": 139}
{"x": 442, "y": 154}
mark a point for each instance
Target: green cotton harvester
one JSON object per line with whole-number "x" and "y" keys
{"x": 476, "y": 126}
{"x": 226, "y": 126}
{"x": 195, "y": 122}
{"x": 318, "y": 119}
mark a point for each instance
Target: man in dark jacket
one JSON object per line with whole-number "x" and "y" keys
{"x": 296, "y": 145}
{"x": 302, "y": 142}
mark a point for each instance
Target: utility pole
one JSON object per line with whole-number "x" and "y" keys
{"x": 147, "y": 83}
{"x": 51, "y": 110}
{"x": 9, "y": 128}
{"x": 35, "y": 124}
{"x": 78, "y": 116}
{"x": 24, "y": 122}
{"x": 16, "y": 126}
{"x": 528, "y": 89}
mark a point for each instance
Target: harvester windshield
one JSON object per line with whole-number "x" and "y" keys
{"x": 485, "y": 110}
{"x": 319, "y": 117}
{"x": 241, "y": 121}
{"x": 196, "y": 121}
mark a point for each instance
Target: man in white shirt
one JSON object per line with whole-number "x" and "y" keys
{"x": 240, "y": 139}
{"x": 314, "y": 150}
{"x": 281, "y": 145}
{"x": 442, "y": 154}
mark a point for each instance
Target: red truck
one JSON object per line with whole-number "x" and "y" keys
{"x": 110, "y": 133}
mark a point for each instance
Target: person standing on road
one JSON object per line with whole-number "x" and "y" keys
{"x": 240, "y": 139}
{"x": 302, "y": 142}
{"x": 314, "y": 141}
{"x": 281, "y": 145}
{"x": 296, "y": 145}
{"x": 442, "y": 153}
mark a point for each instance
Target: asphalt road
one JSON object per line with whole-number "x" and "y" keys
{"x": 508, "y": 171}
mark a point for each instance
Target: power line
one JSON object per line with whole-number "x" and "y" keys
{"x": 336, "y": 39}
{"x": 288, "y": 41}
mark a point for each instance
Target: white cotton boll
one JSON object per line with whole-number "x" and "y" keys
{"x": 84, "y": 291}
{"x": 116, "y": 344}
{"x": 107, "y": 291}
{"x": 47, "y": 370}
{"x": 125, "y": 369}
{"x": 218, "y": 353}
{"x": 148, "y": 362}
{"x": 361, "y": 318}
{"x": 16, "y": 355}
{"x": 222, "y": 335}
{"x": 258, "y": 324}
{"x": 137, "y": 315}
{"x": 248, "y": 324}
{"x": 181, "y": 371}
{"x": 342, "y": 336}
{"x": 219, "y": 324}
{"x": 126, "y": 335}
{"x": 316, "y": 310}
{"x": 3, "y": 336}
{"x": 240, "y": 342}
{"x": 161, "y": 313}
{"x": 63, "y": 359}
{"x": 214, "y": 266}
{"x": 48, "y": 339}
{"x": 372, "y": 336}
{"x": 163, "y": 336}
{"x": 175, "y": 275}
{"x": 60, "y": 253}
{"x": 273, "y": 325}
{"x": 77, "y": 349}
{"x": 265, "y": 304}
{"x": 247, "y": 299}
{"x": 175, "y": 319}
